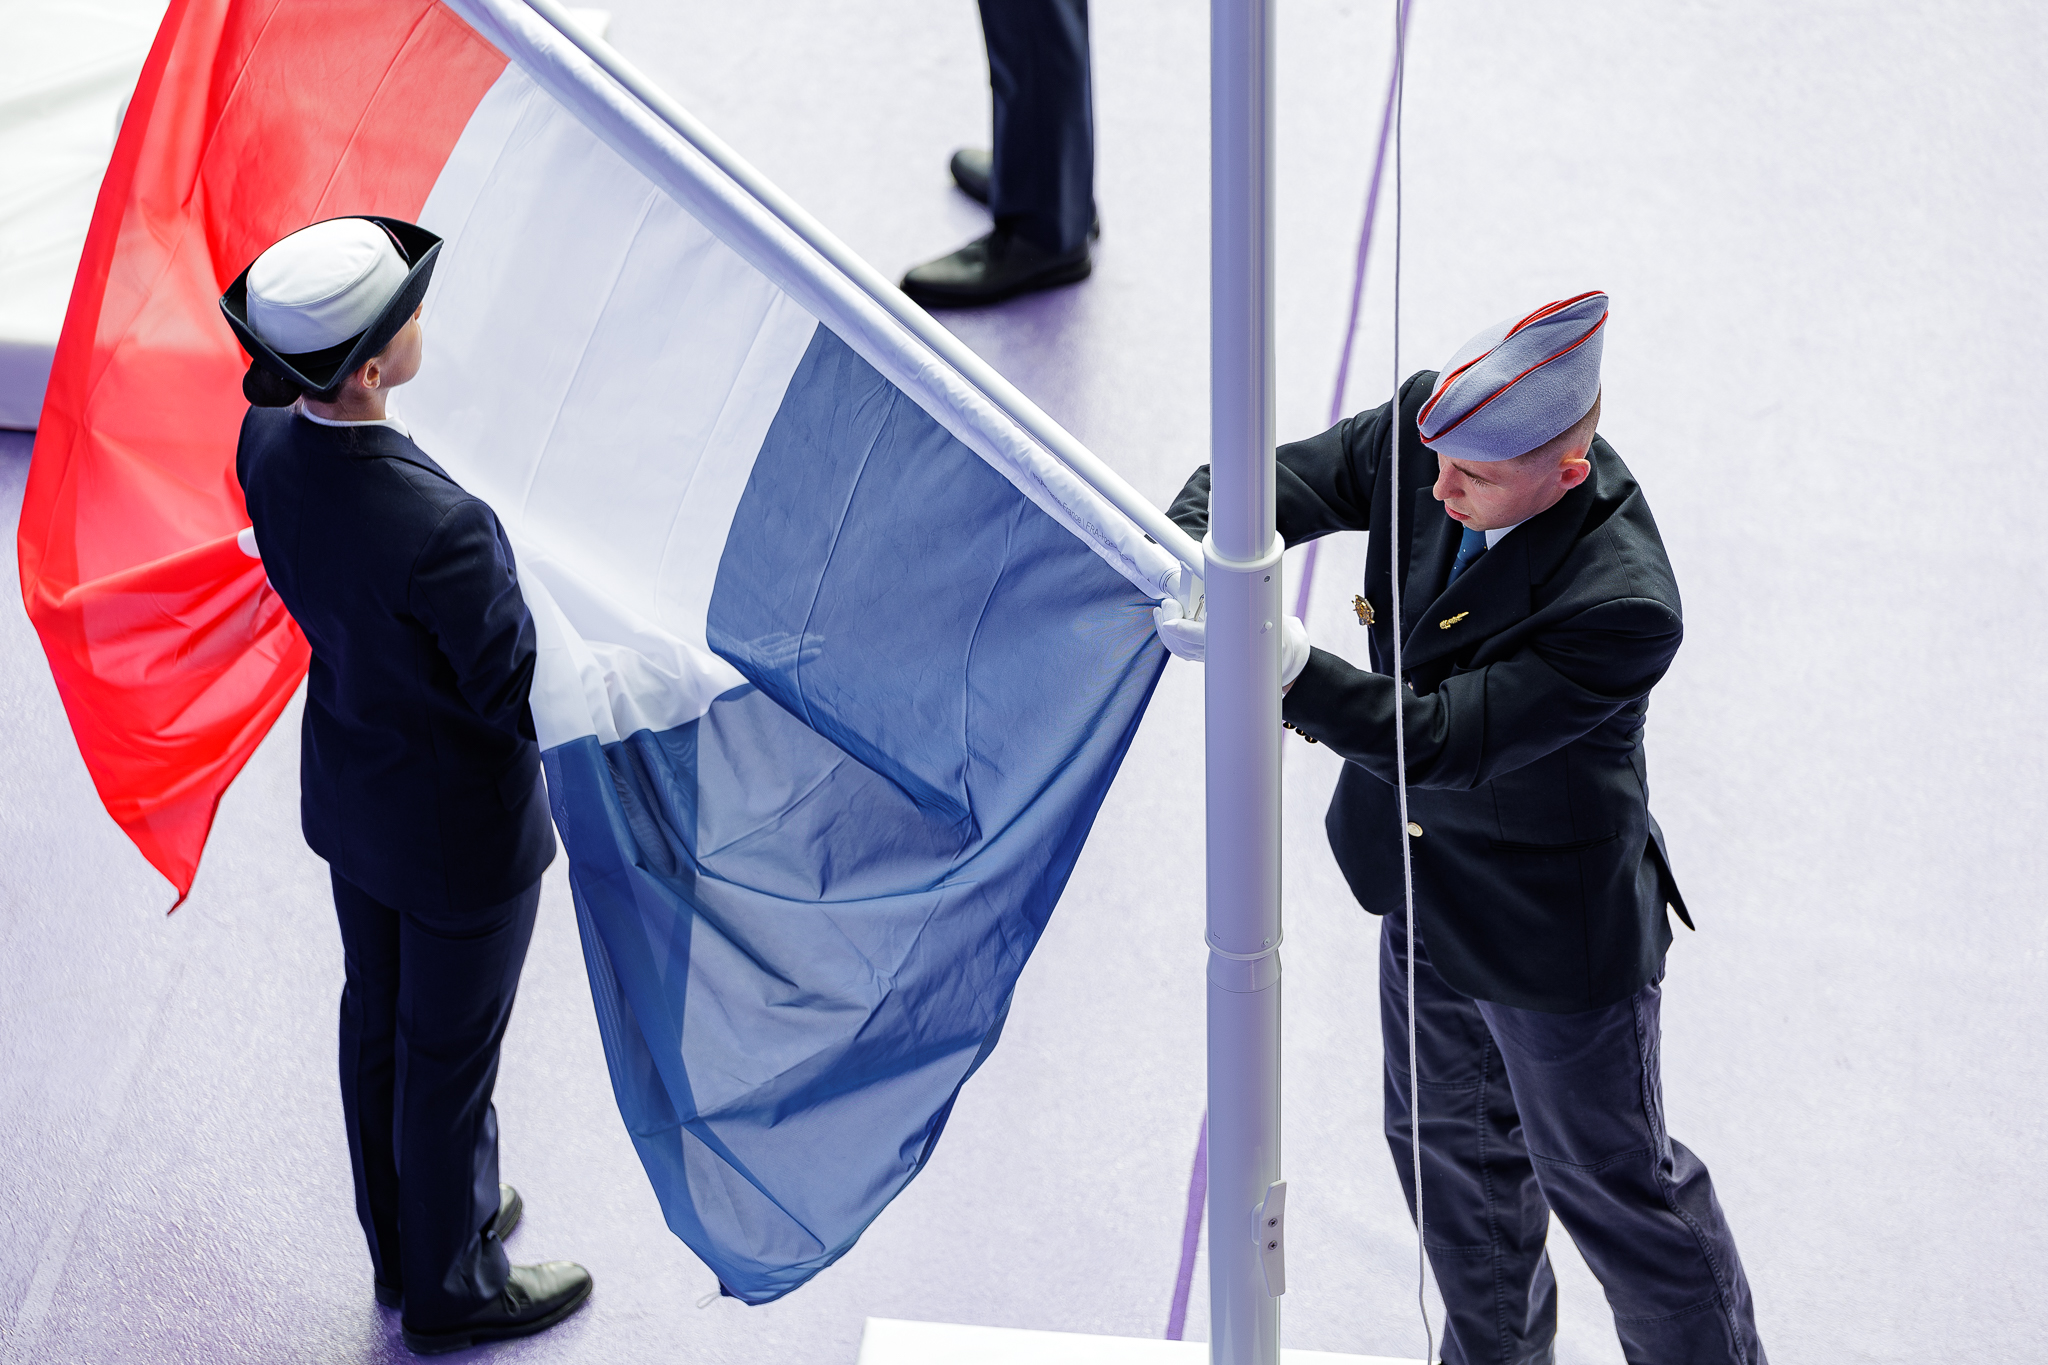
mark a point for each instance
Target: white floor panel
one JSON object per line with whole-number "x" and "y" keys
{"x": 893, "y": 1341}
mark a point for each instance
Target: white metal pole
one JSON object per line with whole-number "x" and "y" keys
{"x": 1242, "y": 677}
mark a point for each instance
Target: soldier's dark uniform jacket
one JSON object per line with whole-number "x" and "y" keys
{"x": 1541, "y": 878}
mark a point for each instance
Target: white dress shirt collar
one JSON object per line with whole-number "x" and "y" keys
{"x": 392, "y": 422}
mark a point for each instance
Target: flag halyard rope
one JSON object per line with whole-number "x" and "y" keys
{"x": 1394, "y": 424}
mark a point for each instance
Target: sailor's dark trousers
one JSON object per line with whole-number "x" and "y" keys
{"x": 1043, "y": 180}
{"x": 423, "y": 1011}
{"x": 1524, "y": 1112}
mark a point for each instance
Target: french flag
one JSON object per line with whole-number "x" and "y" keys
{"x": 836, "y": 661}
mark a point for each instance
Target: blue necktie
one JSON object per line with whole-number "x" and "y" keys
{"x": 1470, "y": 546}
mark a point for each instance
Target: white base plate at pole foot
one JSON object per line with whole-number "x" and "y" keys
{"x": 893, "y": 1341}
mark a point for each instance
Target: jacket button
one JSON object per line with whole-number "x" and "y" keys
{"x": 1414, "y": 830}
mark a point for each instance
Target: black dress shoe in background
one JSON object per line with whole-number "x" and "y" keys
{"x": 971, "y": 167}
{"x": 990, "y": 269}
{"x": 510, "y": 1206}
{"x": 535, "y": 1299}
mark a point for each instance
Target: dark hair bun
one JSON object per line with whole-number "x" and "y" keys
{"x": 267, "y": 390}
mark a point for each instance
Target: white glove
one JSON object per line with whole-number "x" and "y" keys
{"x": 1293, "y": 651}
{"x": 1188, "y": 639}
{"x": 1184, "y": 637}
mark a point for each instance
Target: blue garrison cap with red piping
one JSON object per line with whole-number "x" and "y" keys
{"x": 1518, "y": 383}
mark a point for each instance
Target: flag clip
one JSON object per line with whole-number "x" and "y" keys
{"x": 1272, "y": 1232}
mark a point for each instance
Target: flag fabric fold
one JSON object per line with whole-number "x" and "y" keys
{"x": 224, "y": 149}
{"x": 836, "y": 664}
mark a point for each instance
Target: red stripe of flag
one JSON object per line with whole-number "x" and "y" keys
{"x": 251, "y": 119}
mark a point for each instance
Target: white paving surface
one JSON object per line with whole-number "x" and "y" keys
{"x": 890, "y": 1341}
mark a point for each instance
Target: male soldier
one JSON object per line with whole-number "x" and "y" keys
{"x": 1539, "y": 610}
{"x": 419, "y": 777}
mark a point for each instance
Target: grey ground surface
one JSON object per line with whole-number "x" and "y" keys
{"x": 1822, "y": 229}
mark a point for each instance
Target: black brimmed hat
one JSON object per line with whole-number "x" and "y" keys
{"x": 335, "y": 289}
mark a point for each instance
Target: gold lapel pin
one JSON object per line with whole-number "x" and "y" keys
{"x": 1452, "y": 621}
{"x": 1363, "y": 608}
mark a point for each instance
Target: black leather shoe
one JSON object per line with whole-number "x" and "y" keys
{"x": 971, "y": 167}
{"x": 510, "y": 1206}
{"x": 535, "y": 1299}
{"x": 990, "y": 269}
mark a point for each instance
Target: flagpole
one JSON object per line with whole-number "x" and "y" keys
{"x": 1242, "y": 678}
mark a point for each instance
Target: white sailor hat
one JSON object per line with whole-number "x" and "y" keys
{"x": 325, "y": 299}
{"x": 1518, "y": 383}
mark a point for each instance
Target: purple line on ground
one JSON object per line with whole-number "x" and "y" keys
{"x": 1372, "y": 203}
{"x": 1190, "y": 1235}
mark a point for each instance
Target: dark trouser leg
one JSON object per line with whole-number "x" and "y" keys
{"x": 460, "y": 973}
{"x": 1043, "y": 182}
{"x": 369, "y": 1067}
{"x": 453, "y": 986}
{"x": 1640, "y": 1206}
{"x": 1483, "y": 1213}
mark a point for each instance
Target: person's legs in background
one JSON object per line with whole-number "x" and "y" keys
{"x": 1040, "y": 182}
{"x": 1042, "y": 178}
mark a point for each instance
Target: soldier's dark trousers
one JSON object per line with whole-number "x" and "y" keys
{"x": 1524, "y": 1112}
{"x": 1043, "y": 184}
{"x": 423, "y": 1011}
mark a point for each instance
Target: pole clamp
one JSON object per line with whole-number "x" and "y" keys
{"x": 1246, "y": 957}
{"x": 1267, "y": 561}
{"x": 1271, "y": 1228}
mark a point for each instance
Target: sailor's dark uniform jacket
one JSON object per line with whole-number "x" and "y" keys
{"x": 419, "y": 775}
